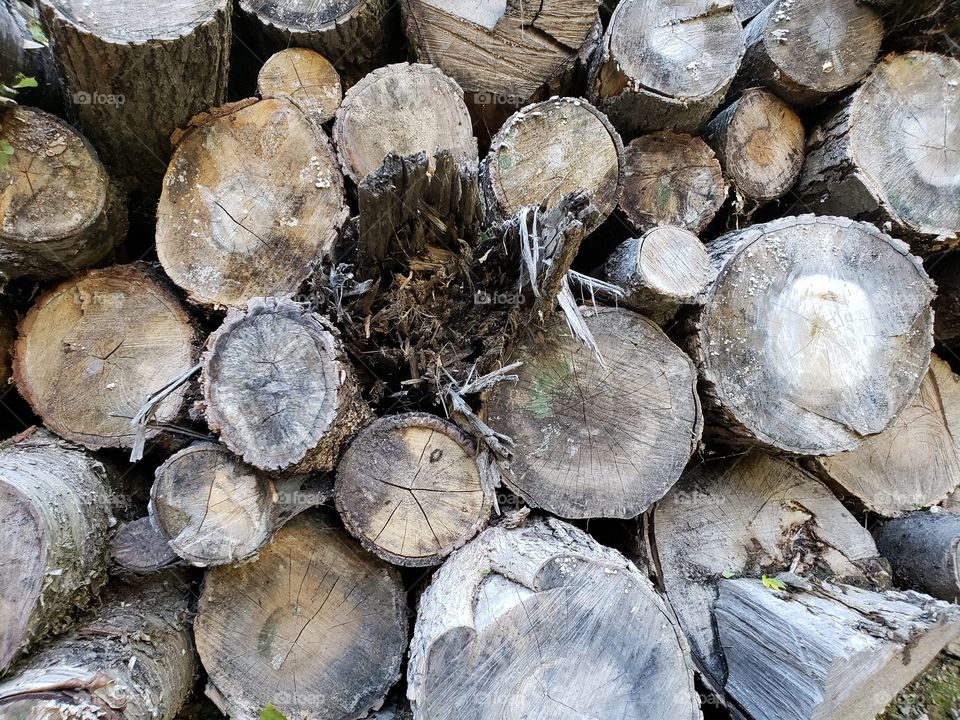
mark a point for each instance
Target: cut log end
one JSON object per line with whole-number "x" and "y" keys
{"x": 214, "y": 509}
{"x": 137, "y": 21}
{"x": 410, "y": 490}
{"x": 92, "y": 350}
{"x": 321, "y": 623}
{"x": 924, "y": 551}
{"x": 278, "y": 389}
{"x": 139, "y": 547}
{"x": 813, "y": 361}
{"x": 671, "y": 179}
{"x": 304, "y": 77}
{"x": 598, "y": 438}
{"x": 539, "y": 156}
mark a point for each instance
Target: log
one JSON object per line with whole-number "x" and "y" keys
{"x": 356, "y": 35}
{"x": 826, "y": 651}
{"x": 924, "y": 551}
{"x": 134, "y": 72}
{"x": 746, "y": 10}
{"x": 759, "y": 142}
{"x": 60, "y": 213}
{"x": 92, "y": 350}
{"x": 277, "y": 387}
{"x": 252, "y": 200}
{"x": 55, "y": 513}
{"x": 660, "y": 272}
{"x": 502, "y": 53}
{"x": 801, "y": 346}
{"x": 901, "y": 171}
{"x": 505, "y": 627}
{"x": 133, "y": 661}
{"x": 540, "y": 155}
{"x": 305, "y": 78}
{"x": 402, "y": 109}
{"x": 913, "y": 463}
{"x": 409, "y": 489}
{"x": 805, "y": 52}
{"x": 671, "y": 179}
{"x": 745, "y": 516}
{"x": 665, "y": 65}
{"x": 319, "y": 623}
{"x": 598, "y": 438}
{"x": 139, "y": 547}
{"x": 213, "y": 508}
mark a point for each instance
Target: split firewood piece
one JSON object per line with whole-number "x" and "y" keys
{"x": 409, "y": 489}
{"x": 539, "y": 156}
{"x": 759, "y": 141}
{"x": 800, "y": 345}
{"x": 501, "y": 53}
{"x": 661, "y": 271}
{"x": 825, "y": 651}
{"x": 55, "y": 513}
{"x": 665, "y": 65}
{"x": 505, "y": 625}
{"x": 305, "y": 78}
{"x": 135, "y": 660}
{"x": 278, "y": 388}
{"x": 749, "y": 515}
{"x": 59, "y": 211}
{"x": 320, "y": 623}
{"x": 251, "y": 202}
{"x": 402, "y": 109}
{"x": 807, "y": 51}
{"x": 671, "y": 179}
{"x": 924, "y": 550}
{"x": 135, "y": 71}
{"x": 872, "y": 160}
{"x": 213, "y": 508}
{"x": 139, "y": 547}
{"x": 356, "y": 35}
{"x": 598, "y": 436}
{"x": 913, "y": 463}
{"x": 94, "y": 348}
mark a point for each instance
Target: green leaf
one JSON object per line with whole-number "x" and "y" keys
{"x": 773, "y": 583}
{"x": 36, "y": 32}
{"x": 727, "y": 574}
{"x": 271, "y": 713}
{"x": 5, "y": 147}
{"x": 23, "y": 81}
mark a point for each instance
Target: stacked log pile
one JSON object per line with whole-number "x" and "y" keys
{"x": 496, "y": 360}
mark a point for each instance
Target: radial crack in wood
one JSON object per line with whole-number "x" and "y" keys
{"x": 304, "y": 77}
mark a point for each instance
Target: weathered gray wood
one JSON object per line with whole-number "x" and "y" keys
{"x": 318, "y": 622}
{"x": 671, "y": 179}
{"x": 55, "y": 513}
{"x": 540, "y": 621}
{"x": 745, "y": 516}
{"x": 409, "y": 489}
{"x": 92, "y": 350}
{"x": 924, "y": 550}
{"x": 598, "y": 438}
{"x": 134, "y": 661}
{"x": 540, "y": 155}
{"x": 661, "y": 271}
{"x": 402, "y": 109}
{"x": 60, "y": 212}
{"x": 759, "y": 141}
{"x": 665, "y": 65}
{"x": 913, "y": 463}
{"x": 140, "y": 547}
{"x": 135, "y": 71}
{"x": 826, "y": 652}
{"x": 252, "y": 200}
{"x": 871, "y": 160}
{"x": 278, "y": 389}
{"x": 747, "y": 9}
{"x": 304, "y": 77}
{"x": 807, "y": 51}
{"x": 800, "y": 344}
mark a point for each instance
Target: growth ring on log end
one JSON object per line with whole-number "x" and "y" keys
{"x": 278, "y": 389}
{"x": 815, "y": 335}
{"x": 409, "y": 489}
{"x": 598, "y": 439}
